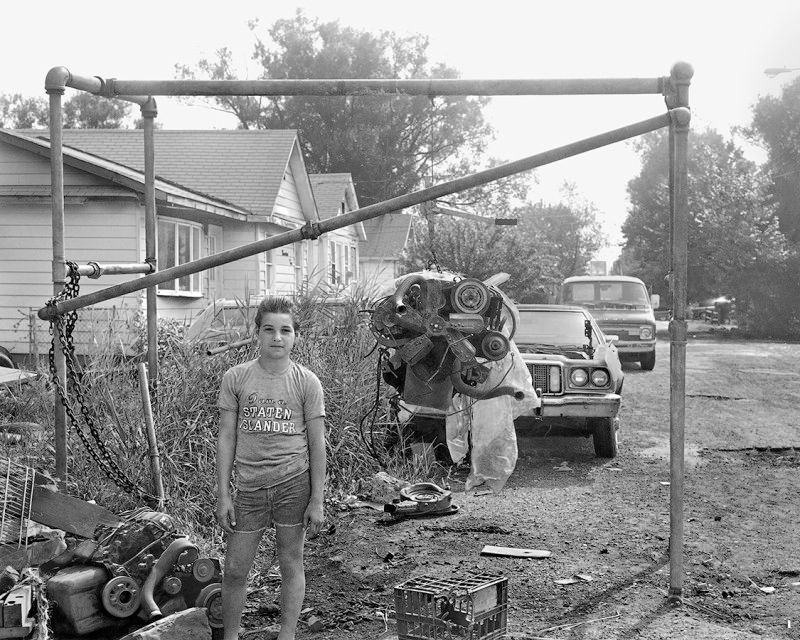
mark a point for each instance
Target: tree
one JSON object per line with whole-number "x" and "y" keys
{"x": 81, "y": 111}
{"x": 776, "y": 124}
{"x": 730, "y": 226}
{"x": 549, "y": 242}
{"x": 19, "y": 112}
{"x": 386, "y": 142}
{"x": 88, "y": 111}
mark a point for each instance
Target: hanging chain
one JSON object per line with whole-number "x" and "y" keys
{"x": 63, "y": 328}
{"x": 434, "y": 262}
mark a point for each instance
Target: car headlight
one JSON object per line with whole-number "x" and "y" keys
{"x": 599, "y": 378}
{"x": 645, "y": 333}
{"x": 578, "y": 377}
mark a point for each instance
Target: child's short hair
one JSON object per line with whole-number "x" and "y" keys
{"x": 276, "y": 305}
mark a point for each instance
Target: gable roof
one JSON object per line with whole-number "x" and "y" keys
{"x": 241, "y": 166}
{"x": 331, "y": 190}
{"x": 127, "y": 177}
{"x": 387, "y": 236}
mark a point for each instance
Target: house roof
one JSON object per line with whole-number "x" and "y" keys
{"x": 387, "y": 236}
{"x": 243, "y": 167}
{"x": 133, "y": 179}
{"x": 331, "y": 190}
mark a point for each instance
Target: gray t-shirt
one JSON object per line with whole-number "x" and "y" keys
{"x": 272, "y": 412}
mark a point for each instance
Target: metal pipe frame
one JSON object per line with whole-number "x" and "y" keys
{"x": 678, "y": 100}
{"x": 149, "y": 112}
{"x": 371, "y": 86}
{"x": 94, "y": 270}
{"x": 674, "y": 88}
{"x": 359, "y": 215}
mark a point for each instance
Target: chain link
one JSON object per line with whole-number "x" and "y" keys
{"x": 62, "y": 329}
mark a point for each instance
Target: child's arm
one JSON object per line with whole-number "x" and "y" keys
{"x": 315, "y": 429}
{"x": 226, "y": 449}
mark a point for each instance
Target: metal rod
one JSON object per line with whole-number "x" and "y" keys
{"x": 60, "y": 77}
{"x": 152, "y": 443}
{"x": 59, "y": 278}
{"x": 680, "y": 78}
{"x": 95, "y": 270}
{"x": 233, "y": 345}
{"x": 349, "y": 87}
{"x": 359, "y": 215}
{"x": 149, "y": 113}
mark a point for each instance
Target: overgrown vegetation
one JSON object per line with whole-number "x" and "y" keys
{"x": 337, "y": 346}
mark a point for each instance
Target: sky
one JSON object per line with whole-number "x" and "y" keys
{"x": 729, "y": 44}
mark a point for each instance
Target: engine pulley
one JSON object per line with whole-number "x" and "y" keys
{"x": 470, "y": 295}
{"x": 121, "y": 596}
{"x": 494, "y": 345}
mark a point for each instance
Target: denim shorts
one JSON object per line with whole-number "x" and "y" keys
{"x": 282, "y": 505}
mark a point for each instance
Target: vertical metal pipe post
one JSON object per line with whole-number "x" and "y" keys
{"x": 680, "y": 77}
{"x": 152, "y": 442}
{"x": 149, "y": 113}
{"x": 59, "y": 272}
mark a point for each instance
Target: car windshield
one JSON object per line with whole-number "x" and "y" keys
{"x": 555, "y": 328}
{"x": 607, "y": 294}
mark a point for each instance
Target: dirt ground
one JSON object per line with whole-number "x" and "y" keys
{"x": 607, "y": 520}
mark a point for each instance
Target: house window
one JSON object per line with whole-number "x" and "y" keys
{"x": 212, "y": 250}
{"x": 335, "y": 263}
{"x": 300, "y": 264}
{"x": 347, "y": 273}
{"x": 354, "y": 262}
{"x": 269, "y": 274}
{"x": 179, "y": 243}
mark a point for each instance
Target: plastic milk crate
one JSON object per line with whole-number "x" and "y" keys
{"x": 474, "y": 607}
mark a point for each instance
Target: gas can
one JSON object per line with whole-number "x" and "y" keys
{"x": 75, "y": 593}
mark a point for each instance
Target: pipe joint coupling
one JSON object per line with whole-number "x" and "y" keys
{"x": 310, "y": 231}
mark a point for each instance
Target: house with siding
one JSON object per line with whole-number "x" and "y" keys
{"x": 384, "y": 248}
{"x": 335, "y": 195}
{"x": 215, "y": 190}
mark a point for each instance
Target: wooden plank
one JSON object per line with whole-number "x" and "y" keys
{"x": 514, "y": 552}
{"x": 73, "y": 515}
{"x": 10, "y": 376}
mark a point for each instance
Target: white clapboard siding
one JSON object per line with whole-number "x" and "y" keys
{"x": 22, "y": 168}
{"x": 99, "y": 231}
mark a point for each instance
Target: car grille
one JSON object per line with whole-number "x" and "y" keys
{"x": 541, "y": 380}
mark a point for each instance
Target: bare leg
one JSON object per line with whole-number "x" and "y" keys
{"x": 293, "y": 578}
{"x": 239, "y": 556}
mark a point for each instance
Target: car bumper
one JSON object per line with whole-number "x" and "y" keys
{"x": 605, "y": 406}
{"x": 628, "y": 347}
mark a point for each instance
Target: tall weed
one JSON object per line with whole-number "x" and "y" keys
{"x": 334, "y": 342}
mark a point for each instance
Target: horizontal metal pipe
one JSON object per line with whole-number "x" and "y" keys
{"x": 233, "y": 345}
{"x": 360, "y": 215}
{"x": 60, "y": 77}
{"x": 426, "y": 87}
{"x": 94, "y": 270}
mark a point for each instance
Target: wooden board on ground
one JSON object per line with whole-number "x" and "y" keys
{"x": 73, "y": 515}
{"x": 9, "y": 376}
{"x": 514, "y": 552}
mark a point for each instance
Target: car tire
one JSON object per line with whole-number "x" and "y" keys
{"x": 6, "y": 360}
{"x": 648, "y": 361}
{"x": 604, "y": 435}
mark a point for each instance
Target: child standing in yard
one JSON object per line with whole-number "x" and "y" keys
{"x": 272, "y": 427}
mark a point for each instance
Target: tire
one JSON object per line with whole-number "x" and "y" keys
{"x": 604, "y": 436}
{"x": 6, "y": 360}
{"x": 648, "y": 361}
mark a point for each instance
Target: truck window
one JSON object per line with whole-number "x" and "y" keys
{"x": 631, "y": 295}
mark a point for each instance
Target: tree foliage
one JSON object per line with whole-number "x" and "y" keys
{"x": 776, "y": 124}
{"x": 386, "y": 142}
{"x": 548, "y": 243}
{"x": 81, "y": 111}
{"x": 731, "y": 229}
